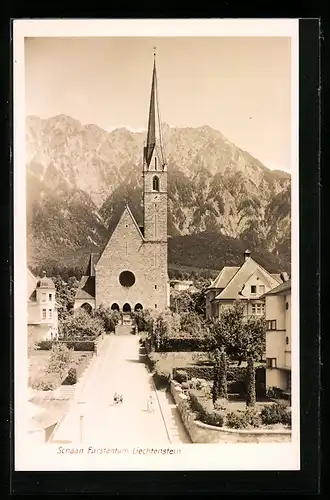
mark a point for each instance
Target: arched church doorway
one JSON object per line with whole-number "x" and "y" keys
{"x": 115, "y": 307}
{"x": 87, "y": 307}
{"x": 138, "y": 307}
{"x": 126, "y": 308}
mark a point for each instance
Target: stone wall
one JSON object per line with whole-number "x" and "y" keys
{"x": 203, "y": 433}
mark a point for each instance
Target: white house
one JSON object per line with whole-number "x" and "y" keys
{"x": 248, "y": 282}
{"x": 278, "y": 337}
{"x": 42, "y": 308}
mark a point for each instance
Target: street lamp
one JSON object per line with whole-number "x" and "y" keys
{"x": 81, "y": 418}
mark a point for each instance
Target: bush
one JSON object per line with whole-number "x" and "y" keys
{"x": 197, "y": 383}
{"x": 242, "y": 419}
{"x": 203, "y": 412}
{"x": 45, "y": 345}
{"x": 236, "y": 420}
{"x": 274, "y": 392}
{"x": 71, "y": 378}
{"x": 162, "y": 374}
{"x": 47, "y": 381}
{"x": 81, "y": 325}
{"x": 180, "y": 375}
{"x": 276, "y": 413}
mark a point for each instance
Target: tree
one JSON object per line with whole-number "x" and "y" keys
{"x": 254, "y": 339}
{"x": 144, "y": 320}
{"x": 108, "y": 316}
{"x": 80, "y": 325}
{"x": 242, "y": 337}
{"x": 219, "y": 389}
{"x": 191, "y": 324}
{"x": 199, "y": 301}
{"x": 181, "y": 301}
{"x": 65, "y": 293}
{"x": 59, "y": 359}
{"x": 251, "y": 382}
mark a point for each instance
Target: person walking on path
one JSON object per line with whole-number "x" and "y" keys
{"x": 150, "y": 405}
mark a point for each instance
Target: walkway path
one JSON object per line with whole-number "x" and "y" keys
{"x": 93, "y": 419}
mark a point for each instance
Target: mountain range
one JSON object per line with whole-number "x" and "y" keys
{"x": 220, "y": 198}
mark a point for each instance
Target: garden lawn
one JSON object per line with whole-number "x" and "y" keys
{"x": 38, "y": 362}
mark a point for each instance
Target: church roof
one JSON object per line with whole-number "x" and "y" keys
{"x": 154, "y": 113}
{"x": 133, "y": 219}
{"x": 96, "y": 258}
{"x": 86, "y": 288}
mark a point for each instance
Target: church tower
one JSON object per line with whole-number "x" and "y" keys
{"x": 154, "y": 174}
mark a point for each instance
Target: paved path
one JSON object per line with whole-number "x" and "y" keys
{"x": 93, "y": 419}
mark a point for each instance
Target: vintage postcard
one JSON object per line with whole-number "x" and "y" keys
{"x": 156, "y": 245}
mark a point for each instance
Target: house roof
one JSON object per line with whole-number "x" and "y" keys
{"x": 223, "y": 278}
{"x": 31, "y": 285}
{"x": 282, "y": 289}
{"x": 86, "y": 288}
{"x": 235, "y": 285}
{"x": 50, "y": 416}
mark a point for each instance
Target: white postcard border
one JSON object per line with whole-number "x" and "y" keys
{"x": 277, "y": 456}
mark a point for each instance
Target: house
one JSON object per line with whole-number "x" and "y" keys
{"x": 131, "y": 272}
{"x": 182, "y": 285}
{"x": 42, "y": 309}
{"x": 42, "y": 421}
{"x": 248, "y": 282}
{"x": 278, "y": 337}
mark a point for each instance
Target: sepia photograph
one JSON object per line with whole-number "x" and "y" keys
{"x": 156, "y": 245}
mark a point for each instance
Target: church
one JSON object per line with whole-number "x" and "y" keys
{"x": 131, "y": 272}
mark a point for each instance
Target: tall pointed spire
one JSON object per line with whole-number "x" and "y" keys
{"x": 151, "y": 136}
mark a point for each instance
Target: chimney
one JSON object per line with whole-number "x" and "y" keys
{"x": 284, "y": 277}
{"x": 247, "y": 254}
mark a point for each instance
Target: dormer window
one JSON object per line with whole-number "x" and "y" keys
{"x": 155, "y": 183}
{"x": 50, "y": 297}
{"x": 253, "y": 289}
{"x": 261, "y": 289}
{"x": 155, "y": 162}
{"x": 43, "y": 297}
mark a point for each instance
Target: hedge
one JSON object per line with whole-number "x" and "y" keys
{"x": 204, "y": 413}
{"x": 236, "y": 377}
{"x": 76, "y": 345}
{"x": 182, "y": 344}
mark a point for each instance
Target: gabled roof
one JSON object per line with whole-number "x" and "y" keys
{"x": 223, "y": 278}
{"x": 282, "y": 289}
{"x": 133, "y": 219}
{"x": 128, "y": 210}
{"x": 86, "y": 288}
{"x": 235, "y": 285}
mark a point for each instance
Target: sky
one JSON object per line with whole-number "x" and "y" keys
{"x": 238, "y": 85}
